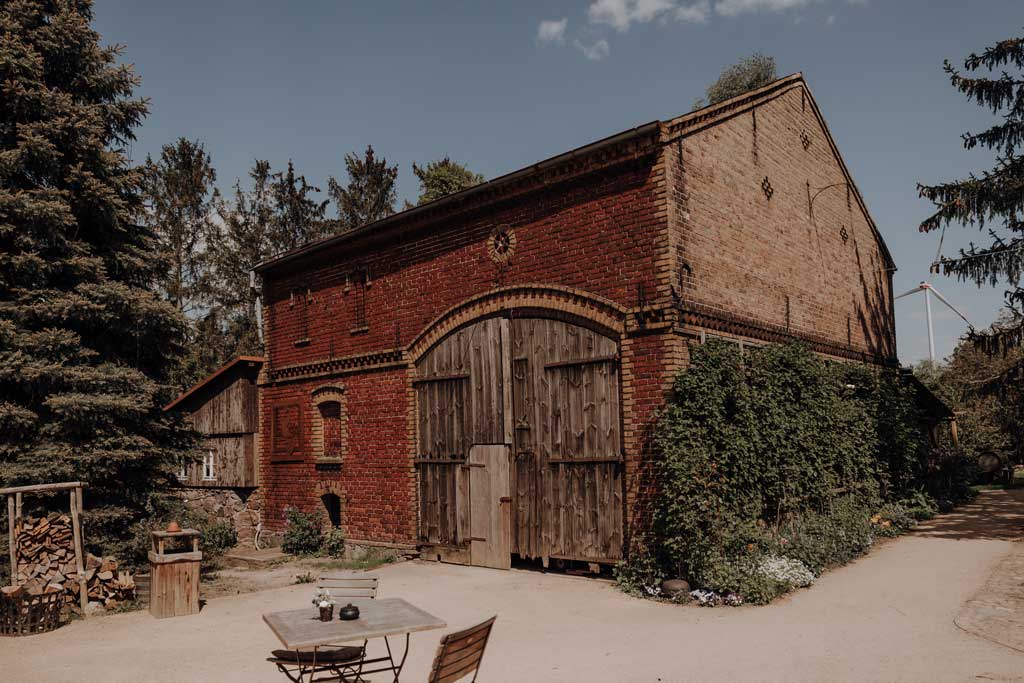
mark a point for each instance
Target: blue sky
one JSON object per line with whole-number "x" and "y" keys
{"x": 499, "y": 86}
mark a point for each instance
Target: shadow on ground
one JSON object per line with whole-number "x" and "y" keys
{"x": 993, "y": 515}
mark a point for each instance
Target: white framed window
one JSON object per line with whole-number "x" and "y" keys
{"x": 209, "y": 473}
{"x": 183, "y": 472}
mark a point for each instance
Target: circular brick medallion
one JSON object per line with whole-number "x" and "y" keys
{"x": 501, "y": 245}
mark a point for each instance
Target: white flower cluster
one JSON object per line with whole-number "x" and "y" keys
{"x": 786, "y": 570}
{"x": 713, "y": 599}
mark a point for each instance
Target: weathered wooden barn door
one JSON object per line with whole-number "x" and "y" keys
{"x": 490, "y": 514}
{"x": 567, "y": 473}
{"x": 462, "y": 400}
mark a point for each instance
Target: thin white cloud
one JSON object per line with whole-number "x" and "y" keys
{"x": 694, "y": 13}
{"x": 552, "y": 31}
{"x": 732, "y": 8}
{"x": 621, "y": 14}
{"x": 597, "y": 50}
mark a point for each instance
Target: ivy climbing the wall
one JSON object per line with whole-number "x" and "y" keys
{"x": 775, "y": 465}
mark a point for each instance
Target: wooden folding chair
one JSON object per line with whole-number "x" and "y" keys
{"x": 340, "y": 663}
{"x": 348, "y": 586}
{"x": 460, "y": 653}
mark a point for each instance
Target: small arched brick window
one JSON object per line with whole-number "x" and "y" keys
{"x": 330, "y": 433}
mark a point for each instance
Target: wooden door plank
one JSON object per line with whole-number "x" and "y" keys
{"x": 489, "y": 518}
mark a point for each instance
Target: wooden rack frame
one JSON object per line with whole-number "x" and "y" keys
{"x": 14, "y": 501}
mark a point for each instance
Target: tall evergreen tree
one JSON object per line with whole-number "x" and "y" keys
{"x": 86, "y": 344}
{"x": 299, "y": 218}
{"x": 443, "y": 177}
{"x": 993, "y": 201}
{"x": 246, "y": 237}
{"x": 370, "y": 194}
{"x": 177, "y": 191}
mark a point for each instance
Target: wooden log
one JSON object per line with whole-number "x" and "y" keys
{"x": 77, "y": 532}
{"x": 62, "y": 486}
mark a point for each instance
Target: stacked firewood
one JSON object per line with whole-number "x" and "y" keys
{"x": 46, "y": 559}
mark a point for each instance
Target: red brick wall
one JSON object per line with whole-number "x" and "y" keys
{"x": 717, "y": 243}
{"x": 740, "y": 253}
{"x": 375, "y": 481}
{"x": 596, "y": 235}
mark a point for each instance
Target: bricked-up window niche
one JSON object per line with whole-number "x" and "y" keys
{"x": 286, "y": 432}
{"x": 356, "y": 285}
{"x": 330, "y": 424}
{"x": 299, "y": 303}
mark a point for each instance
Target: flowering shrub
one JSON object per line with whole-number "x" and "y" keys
{"x": 706, "y": 598}
{"x": 786, "y": 570}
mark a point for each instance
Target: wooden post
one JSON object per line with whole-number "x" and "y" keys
{"x": 11, "y": 540}
{"x": 76, "y": 528}
{"x": 954, "y": 433}
{"x": 17, "y": 505}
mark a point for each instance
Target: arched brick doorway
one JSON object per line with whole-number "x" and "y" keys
{"x": 548, "y": 389}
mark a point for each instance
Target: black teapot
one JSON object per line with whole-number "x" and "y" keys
{"x": 348, "y": 612}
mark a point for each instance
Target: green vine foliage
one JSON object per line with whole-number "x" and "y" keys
{"x": 751, "y": 445}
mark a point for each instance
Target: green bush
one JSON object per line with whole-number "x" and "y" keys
{"x": 773, "y": 456}
{"x": 333, "y": 544}
{"x": 822, "y": 540}
{"x": 302, "y": 534}
{"x": 951, "y": 483}
{"x": 919, "y": 504}
{"x": 218, "y": 536}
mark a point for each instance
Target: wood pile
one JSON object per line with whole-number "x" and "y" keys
{"x": 46, "y": 560}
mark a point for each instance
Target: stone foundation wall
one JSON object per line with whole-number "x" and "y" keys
{"x": 240, "y": 507}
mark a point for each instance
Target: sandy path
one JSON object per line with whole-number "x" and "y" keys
{"x": 887, "y": 617}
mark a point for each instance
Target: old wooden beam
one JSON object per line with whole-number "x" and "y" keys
{"x": 76, "y": 528}
{"x": 11, "y": 540}
{"x": 62, "y": 486}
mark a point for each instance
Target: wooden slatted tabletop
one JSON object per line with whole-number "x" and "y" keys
{"x": 302, "y": 628}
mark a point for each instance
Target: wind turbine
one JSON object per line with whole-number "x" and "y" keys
{"x": 929, "y": 289}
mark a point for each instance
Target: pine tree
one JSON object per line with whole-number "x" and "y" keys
{"x": 246, "y": 237}
{"x": 86, "y": 343}
{"x": 370, "y": 194}
{"x": 443, "y": 177}
{"x": 993, "y": 201}
{"x": 177, "y": 190}
{"x": 299, "y": 218}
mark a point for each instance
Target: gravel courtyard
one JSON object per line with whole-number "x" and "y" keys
{"x": 891, "y": 616}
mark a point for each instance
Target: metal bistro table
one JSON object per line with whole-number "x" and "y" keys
{"x": 302, "y": 629}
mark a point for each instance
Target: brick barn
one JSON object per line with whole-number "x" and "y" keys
{"x": 476, "y": 378}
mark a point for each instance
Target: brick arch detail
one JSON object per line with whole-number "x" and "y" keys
{"x": 574, "y": 304}
{"x": 327, "y": 393}
{"x": 325, "y": 486}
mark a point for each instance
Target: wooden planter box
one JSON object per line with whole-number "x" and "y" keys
{"x": 24, "y": 614}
